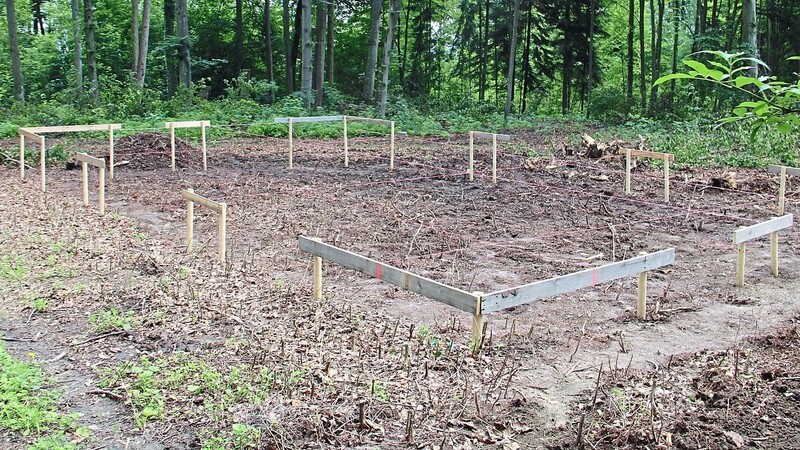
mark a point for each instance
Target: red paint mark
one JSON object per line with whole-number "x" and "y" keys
{"x": 378, "y": 270}
{"x": 594, "y": 277}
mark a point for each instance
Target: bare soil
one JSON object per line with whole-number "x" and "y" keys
{"x": 405, "y": 358}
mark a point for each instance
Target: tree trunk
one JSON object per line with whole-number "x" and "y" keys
{"x": 676, "y": 21}
{"x": 394, "y": 17}
{"x": 13, "y": 43}
{"x": 590, "y": 63}
{"x": 566, "y": 70}
{"x": 135, "y": 34}
{"x": 319, "y": 63}
{"x": 77, "y": 54}
{"x": 331, "y": 30}
{"x": 404, "y": 55}
{"x": 184, "y": 51}
{"x": 266, "y": 32}
{"x": 372, "y": 52}
{"x": 631, "y": 27}
{"x": 287, "y": 49}
{"x": 91, "y": 53}
{"x": 141, "y": 66}
{"x": 526, "y": 65}
{"x": 238, "y": 51}
{"x": 512, "y": 60}
{"x": 750, "y": 32}
{"x": 169, "y": 50}
{"x": 658, "y": 33}
{"x": 298, "y": 28}
{"x": 642, "y": 64}
{"x": 306, "y": 69}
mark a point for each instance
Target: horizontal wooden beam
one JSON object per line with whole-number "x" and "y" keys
{"x": 75, "y": 128}
{"x": 369, "y": 119}
{"x": 28, "y": 134}
{"x": 188, "y": 124}
{"x": 210, "y": 204}
{"x": 434, "y": 290}
{"x": 762, "y": 229}
{"x": 521, "y": 295}
{"x": 490, "y": 136}
{"x": 789, "y": 170}
{"x": 91, "y": 160}
{"x": 309, "y": 119}
{"x": 655, "y": 155}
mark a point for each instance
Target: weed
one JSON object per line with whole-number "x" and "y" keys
{"x": 142, "y": 387}
{"x": 112, "y": 320}
{"x": 40, "y": 305}
{"x": 13, "y": 269}
{"x": 379, "y": 391}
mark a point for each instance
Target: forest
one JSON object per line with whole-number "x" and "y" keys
{"x": 432, "y": 64}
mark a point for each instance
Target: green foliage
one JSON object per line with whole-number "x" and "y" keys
{"x": 141, "y": 386}
{"x": 12, "y": 269}
{"x": 112, "y": 320}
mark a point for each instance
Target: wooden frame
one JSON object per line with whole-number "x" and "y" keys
{"x": 744, "y": 234}
{"x": 494, "y": 137}
{"x": 389, "y": 123}
{"x": 528, "y": 293}
{"x": 218, "y": 207}
{"x": 202, "y": 124}
{"x": 86, "y": 161}
{"x": 110, "y": 127}
{"x": 783, "y": 171}
{"x": 666, "y": 157}
{"x": 26, "y": 133}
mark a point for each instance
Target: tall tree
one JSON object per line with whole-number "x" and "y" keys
{"x": 77, "y": 52}
{"x": 38, "y": 16}
{"x": 287, "y": 48}
{"x": 330, "y": 40}
{"x": 631, "y": 26}
{"x": 238, "y": 55}
{"x": 13, "y": 43}
{"x": 394, "y": 17}
{"x": 676, "y": 22}
{"x": 319, "y": 63}
{"x": 141, "y": 65}
{"x": 91, "y": 52}
{"x": 372, "y": 51}
{"x": 297, "y": 38}
{"x": 306, "y": 69}
{"x": 266, "y": 33}
{"x": 590, "y": 57}
{"x": 512, "y": 60}
{"x": 750, "y": 32}
{"x": 657, "y": 32}
{"x": 134, "y": 35}
{"x": 171, "y": 68}
{"x": 642, "y": 64}
{"x": 184, "y": 51}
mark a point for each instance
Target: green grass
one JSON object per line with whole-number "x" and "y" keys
{"x": 112, "y": 320}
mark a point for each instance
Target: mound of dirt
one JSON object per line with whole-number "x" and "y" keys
{"x": 150, "y": 151}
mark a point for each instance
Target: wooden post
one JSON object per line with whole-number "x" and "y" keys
{"x": 494, "y": 158}
{"x": 477, "y": 322}
{"x": 203, "y": 140}
{"x": 317, "y": 272}
{"x": 111, "y": 152}
{"x": 773, "y": 247}
{"x": 346, "y": 156}
{"x": 740, "y": 265}
{"x": 471, "y": 150}
{"x": 41, "y": 164}
{"x": 391, "y": 147}
{"x": 172, "y": 144}
{"x": 641, "y": 307}
{"x": 666, "y": 178}
{"x": 189, "y": 224}
{"x": 223, "y": 222}
{"x": 85, "y": 177}
{"x": 627, "y": 171}
{"x": 782, "y": 192}
{"x": 290, "y": 143}
{"x": 21, "y": 157}
{"x": 102, "y": 193}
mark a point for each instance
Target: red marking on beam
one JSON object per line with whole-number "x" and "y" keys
{"x": 594, "y": 277}
{"x": 378, "y": 270}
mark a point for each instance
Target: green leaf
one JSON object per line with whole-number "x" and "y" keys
{"x": 742, "y": 81}
{"x": 740, "y": 111}
{"x": 793, "y": 58}
{"x": 673, "y": 76}
{"x": 784, "y": 127}
{"x": 194, "y": 389}
{"x": 699, "y": 67}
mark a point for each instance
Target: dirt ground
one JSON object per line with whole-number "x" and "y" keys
{"x": 209, "y": 345}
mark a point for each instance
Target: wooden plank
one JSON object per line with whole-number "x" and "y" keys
{"x": 26, "y": 132}
{"x": 91, "y": 160}
{"x": 440, "y": 292}
{"x": 210, "y": 204}
{"x": 760, "y": 229}
{"x": 656, "y": 155}
{"x": 490, "y": 136}
{"x": 309, "y": 119}
{"x": 75, "y": 128}
{"x": 369, "y": 119}
{"x": 789, "y": 170}
{"x": 567, "y": 283}
{"x": 188, "y": 124}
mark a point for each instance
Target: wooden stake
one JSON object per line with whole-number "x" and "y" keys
{"x": 391, "y": 148}
{"x": 317, "y": 272}
{"x": 471, "y": 150}
{"x": 494, "y": 158}
{"x": 102, "y": 193}
{"x": 189, "y": 224}
{"x": 477, "y": 322}
{"x": 291, "y": 144}
{"x": 641, "y": 307}
{"x": 223, "y": 221}
{"x": 172, "y": 145}
{"x": 203, "y": 140}
{"x": 41, "y": 164}
{"x": 740, "y": 265}
{"x": 346, "y": 156}
{"x": 773, "y": 247}
{"x": 111, "y": 152}
{"x": 666, "y": 179}
{"x": 21, "y": 157}
{"x": 782, "y": 192}
{"x": 627, "y": 171}
{"x": 85, "y": 177}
